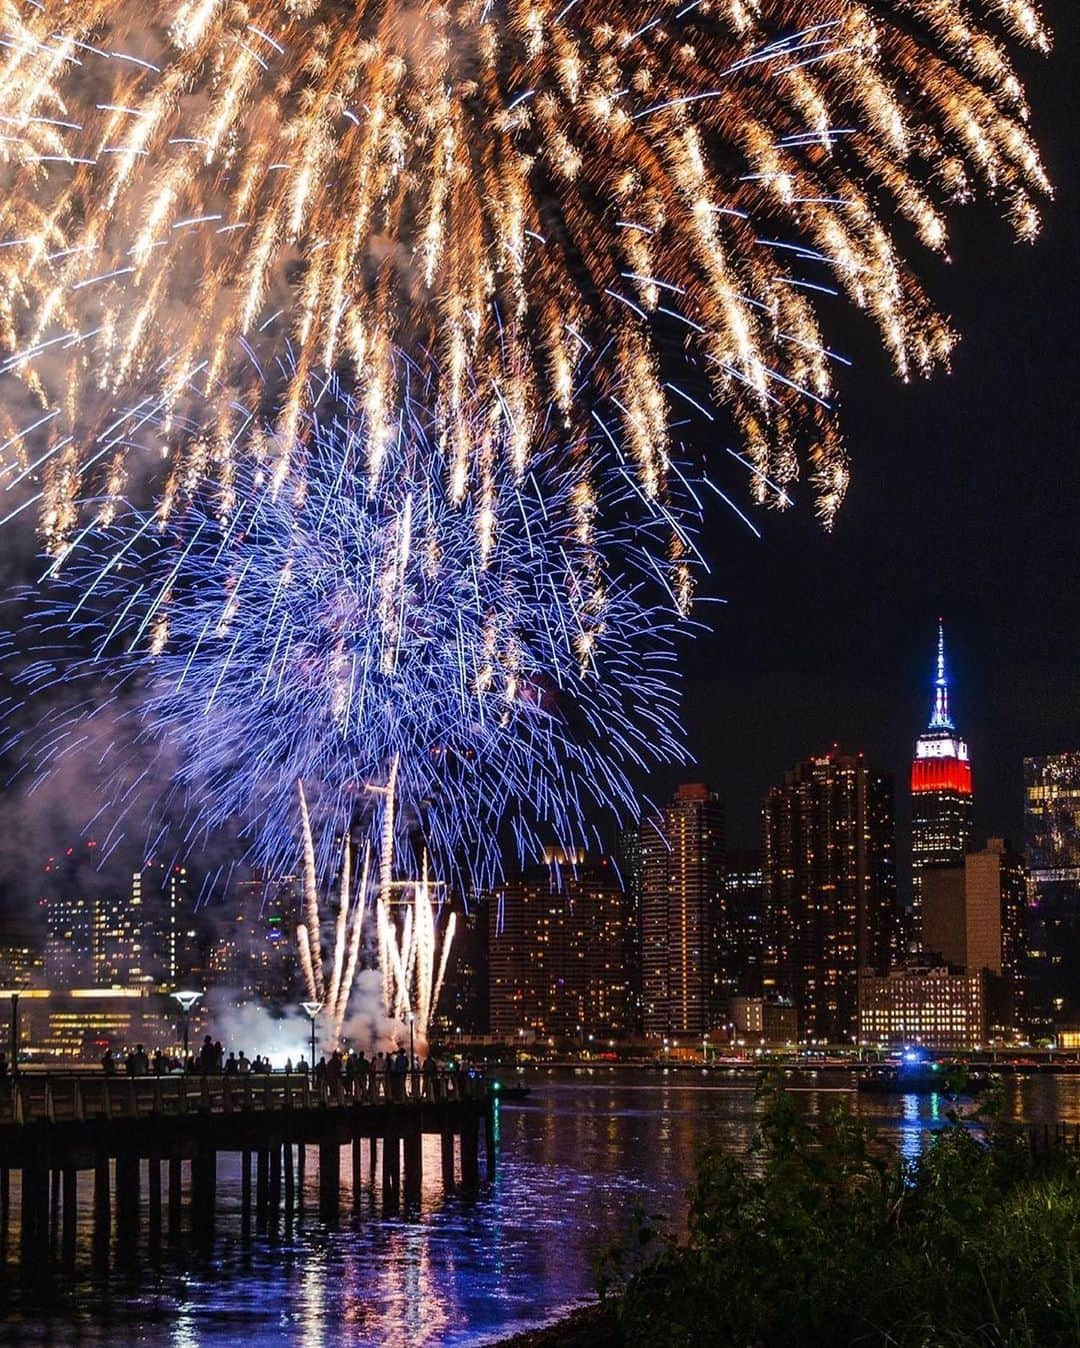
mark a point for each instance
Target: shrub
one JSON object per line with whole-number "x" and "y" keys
{"x": 829, "y": 1238}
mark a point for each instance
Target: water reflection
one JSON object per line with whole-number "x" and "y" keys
{"x": 574, "y": 1159}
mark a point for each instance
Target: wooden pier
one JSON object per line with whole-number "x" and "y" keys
{"x": 167, "y": 1132}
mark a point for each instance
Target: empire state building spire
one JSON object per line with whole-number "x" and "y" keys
{"x": 939, "y": 712}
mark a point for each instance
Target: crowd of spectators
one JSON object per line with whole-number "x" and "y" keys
{"x": 356, "y": 1074}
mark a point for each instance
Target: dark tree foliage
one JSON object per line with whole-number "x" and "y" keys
{"x": 829, "y": 1238}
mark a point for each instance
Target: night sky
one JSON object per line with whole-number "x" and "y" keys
{"x": 963, "y": 503}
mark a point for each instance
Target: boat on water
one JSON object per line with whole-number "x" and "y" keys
{"x": 918, "y": 1073}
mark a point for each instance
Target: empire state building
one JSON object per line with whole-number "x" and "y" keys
{"x": 941, "y": 799}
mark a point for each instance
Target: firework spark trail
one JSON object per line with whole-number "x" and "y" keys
{"x": 340, "y": 926}
{"x": 504, "y": 185}
{"x": 525, "y": 696}
{"x": 304, "y": 945}
{"x": 408, "y": 959}
{"x": 448, "y": 942}
{"x": 310, "y": 928}
{"x": 405, "y": 963}
{"x": 348, "y": 927}
{"x": 387, "y": 954}
{"x": 412, "y": 965}
{"x": 386, "y": 848}
{"x": 358, "y": 917}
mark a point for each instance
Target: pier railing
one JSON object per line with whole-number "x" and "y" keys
{"x": 55, "y": 1098}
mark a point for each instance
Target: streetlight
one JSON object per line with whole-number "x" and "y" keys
{"x": 186, "y": 1000}
{"x": 312, "y": 1009}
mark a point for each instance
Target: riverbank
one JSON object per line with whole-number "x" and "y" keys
{"x": 590, "y": 1327}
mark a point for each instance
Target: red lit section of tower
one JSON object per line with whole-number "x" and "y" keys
{"x": 941, "y": 774}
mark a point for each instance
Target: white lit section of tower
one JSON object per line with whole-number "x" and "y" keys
{"x": 941, "y": 795}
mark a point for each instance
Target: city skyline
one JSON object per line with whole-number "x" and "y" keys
{"x": 683, "y": 939}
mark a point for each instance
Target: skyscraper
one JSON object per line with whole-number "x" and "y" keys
{"x": 687, "y": 947}
{"x": 556, "y": 952}
{"x": 941, "y": 799}
{"x": 252, "y": 952}
{"x": 628, "y": 860}
{"x": 69, "y": 940}
{"x": 96, "y": 937}
{"x": 974, "y": 918}
{"x": 828, "y": 867}
{"x": 744, "y": 901}
{"x": 1052, "y": 844}
{"x": 162, "y": 916}
{"x": 71, "y": 884}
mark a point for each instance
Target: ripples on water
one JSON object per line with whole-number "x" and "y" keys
{"x": 574, "y": 1160}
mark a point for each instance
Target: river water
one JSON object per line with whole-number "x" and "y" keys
{"x": 574, "y": 1159}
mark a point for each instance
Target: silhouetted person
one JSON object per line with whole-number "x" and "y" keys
{"x": 333, "y": 1069}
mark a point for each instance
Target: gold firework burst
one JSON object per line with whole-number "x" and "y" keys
{"x": 510, "y": 184}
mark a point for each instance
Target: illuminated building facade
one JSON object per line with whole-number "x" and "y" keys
{"x": 763, "y": 1021}
{"x": 628, "y": 861}
{"x": 1052, "y": 846}
{"x": 78, "y": 1024}
{"x": 21, "y": 966}
{"x": 829, "y": 873}
{"x": 252, "y": 952}
{"x": 938, "y": 1007}
{"x": 163, "y": 925}
{"x": 69, "y": 940}
{"x": 70, "y": 885}
{"x": 103, "y": 939}
{"x": 974, "y": 916}
{"x": 555, "y": 949}
{"x": 687, "y": 945}
{"x": 941, "y": 795}
{"x": 744, "y": 901}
